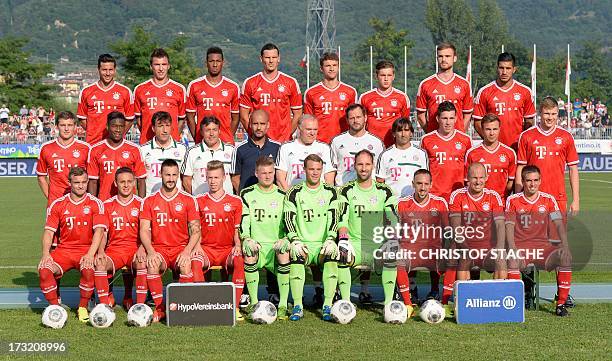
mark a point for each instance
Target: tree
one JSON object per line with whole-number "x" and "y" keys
{"x": 594, "y": 77}
{"x": 134, "y": 57}
{"x": 387, "y": 44}
{"x": 20, "y": 80}
{"x": 452, "y": 21}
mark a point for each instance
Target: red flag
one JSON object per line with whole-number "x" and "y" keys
{"x": 303, "y": 62}
{"x": 468, "y": 75}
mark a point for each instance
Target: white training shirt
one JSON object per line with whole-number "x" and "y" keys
{"x": 196, "y": 161}
{"x": 344, "y": 147}
{"x": 153, "y": 155}
{"x": 397, "y": 168}
{"x": 291, "y": 159}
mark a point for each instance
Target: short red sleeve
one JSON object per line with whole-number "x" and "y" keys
{"x": 53, "y": 218}
{"x": 137, "y": 108}
{"x": 308, "y": 106}
{"x": 193, "y": 214}
{"x": 41, "y": 164}
{"x": 145, "y": 210}
{"x": 245, "y": 97}
{"x": 295, "y": 100}
{"x": 128, "y": 105}
{"x": 454, "y": 206}
{"x": 235, "y": 104}
{"x": 522, "y": 150}
{"x": 468, "y": 102}
{"x": 571, "y": 156}
{"x": 139, "y": 168}
{"x": 529, "y": 107}
{"x": 421, "y": 101}
{"x": 182, "y": 108}
{"x": 238, "y": 213}
{"x": 191, "y": 100}
{"x": 93, "y": 171}
{"x": 406, "y": 109}
{"x": 512, "y": 166}
{"x": 82, "y": 107}
{"x": 99, "y": 218}
{"x": 479, "y": 105}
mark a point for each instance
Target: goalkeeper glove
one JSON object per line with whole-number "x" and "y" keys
{"x": 282, "y": 245}
{"x": 297, "y": 250}
{"x": 250, "y": 247}
{"x": 329, "y": 249}
{"x": 346, "y": 251}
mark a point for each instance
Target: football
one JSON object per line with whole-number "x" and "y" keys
{"x": 432, "y": 312}
{"x": 54, "y": 316}
{"x": 395, "y": 312}
{"x": 343, "y": 312}
{"x": 264, "y": 313}
{"x": 102, "y": 316}
{"x": 140, "y": 315}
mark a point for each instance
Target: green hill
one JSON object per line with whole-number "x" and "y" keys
{"x": 80, "y": 30}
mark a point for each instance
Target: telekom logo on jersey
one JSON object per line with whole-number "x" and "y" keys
{"x": 441, "y": 157}
{"x": 264, "y": 98}
{"x": 152, "y": 102}
{"x": 109, "y": 166}
{"x": 348, "y": 163}
{"x": 540, "y": 151}
{"x": 70, "y": 222}
{"x": 99, "y": 105}
{"x": 118, "y": 223}
{"x": 326, "y": 106}
{"x": 162, "y": 218}
{"x": 378, "y": 112}
{"x": 207, "y": 103}
{"x": 297, "y": 170}
{"x": 500, "y": 108}
{"x": 58, "y": 164}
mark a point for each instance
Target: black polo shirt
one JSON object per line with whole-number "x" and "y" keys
{"x": 245, "y": 156}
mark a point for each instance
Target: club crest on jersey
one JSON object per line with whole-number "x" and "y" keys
{"x": 116, "y": 95}
{"x": 458, "y": 145}
{"x": 178, "y": 207}
{"x": 86, "y": 210}
{"x": 502, "y": 158}
{"x": 370, "y": 147}
{"x": 274, "y": 204}
{"x": 134, "y": 212}
{"x": 125, "y": 154}
{"x": 228, "y": 156}
{"x": 457, "y": 89}
{"x": 373, "y": 200}
{"x": 281, "y": 88}
{"x": 321, "y": 202}
{"x": 558, "y": 140}
{"x": 169, "y": 92}
{"x": 342, "y": 96}
{"x": 517, "y": 96}
{"x": 434, "y": 212}
{"x": 177, "y": 153}
{"x": 393, "y": 103}
{"x": 227, "y": 207}
{"x": 224, "y": 92}
{"x": 76, "y": 154}
{"x": 486, "y": 206}
{"x": 542, "y": 209}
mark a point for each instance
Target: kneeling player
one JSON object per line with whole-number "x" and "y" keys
{"x": 311, "y": 218}
{"x": 527, "y": 228}
{"x": 169, "y": 230}
{"x": 79, "y": 217}
{"x": 263, "y": 233}
{"x": 121, "y": 247}
{"x": 426, "y": 215}
{"x": 475, "y": 214}
{"x": 220, "y": 214}
{"x": 364, "y": 204}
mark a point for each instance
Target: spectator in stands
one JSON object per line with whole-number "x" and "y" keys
{"x": 23, "y": 112}
{"x": 4, "y": 114}
{"x": 561, "y": 105}
{"x": 577, "y": 106}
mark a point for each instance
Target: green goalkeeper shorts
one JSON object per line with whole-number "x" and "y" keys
{"x": 314, "y": 250}
{"x": 267, "y": 257}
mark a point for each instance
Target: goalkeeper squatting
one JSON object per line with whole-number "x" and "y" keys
{"x": 262, "y": 231}
{"x": 311, "y": 218}
{"x": 365, "y": 204}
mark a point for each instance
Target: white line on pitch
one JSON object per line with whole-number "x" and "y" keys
{"x": 596, "y": 180}
{"x": 17, "y": 267}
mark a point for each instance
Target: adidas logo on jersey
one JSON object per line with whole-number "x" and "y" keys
{"x": 259, "y": 89}
{"x": 374, "y": 104}
{"x": 103, "y": 156}
{"x": 148, "y": 93}
{"x": 435, "y": 91}
{"x": 206, "y": 208}
{"x": 66, "y": 212}
{"x": 435, "y": 146}
{"x": 114, "y": 213}
{"x": 481, "y": 160}
{"x": 202, "y": 92}
{"x": 536, "y": 142}
{"x": 94, "y": 97}
{"x": 156, "y": 208}
{"x": 54, "y": 155}
{"x": 495, "y": 98}
{"x": 321, "y": 97}
{"x": 465, "y": 206}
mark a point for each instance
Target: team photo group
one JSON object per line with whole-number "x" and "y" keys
{"x": 327, "y": 180}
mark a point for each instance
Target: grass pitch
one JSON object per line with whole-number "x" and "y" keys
{"x": 582, "y": 336}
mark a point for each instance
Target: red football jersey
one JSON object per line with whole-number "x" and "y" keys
{"x": 219, "y": 100}
{"x": 170, "y": 218}
{"x": 511, "y": 105}
{"x": 150, "y": 98}
{"x": 550, "y": 151}
{"x": 500, "y": 164}
{"x": 76, "y": 221}
{"x": 123, "y": 224}
{"x": 219, "y": 219}
{"x": 531, "y": 218}
{"x": 382, "y": 110}
{"x": 96, "y": 103}
{"x": 479, "y": 213}
{"x": 329, "y": 107}
{"x": 277, "y": 97}
{"x": 446, "y": 160}
{"x": 433, "y": 91}
{"x": 104, "y": 160}
{"x": 55, "y": 161}
{"x": 433, "y": 213}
